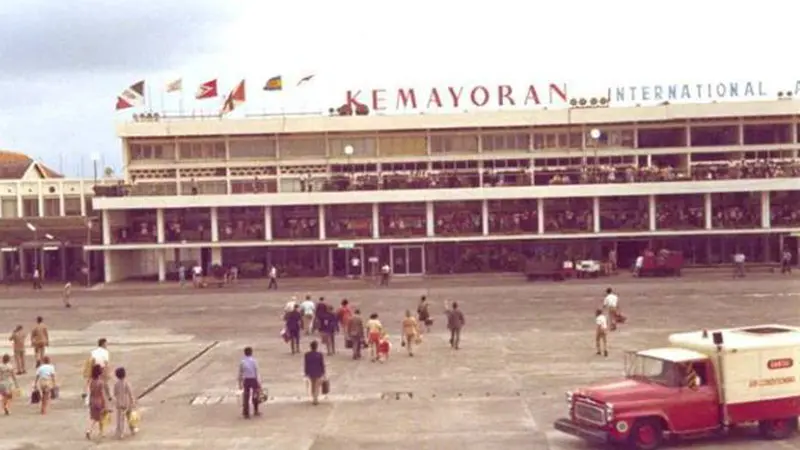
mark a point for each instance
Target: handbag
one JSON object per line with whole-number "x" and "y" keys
{"x": 326, "y": 387}
{"x": 134, "y": 417}
{"x": 105, "y": 421}
{"x": 348, "y": 343}
{"x": 36, "y": 396}
{"x": 261, "y": 396}
{"x": 54, "y": 393}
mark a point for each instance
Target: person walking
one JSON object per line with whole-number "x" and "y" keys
{"x": 293, "y": 322}
{"x": 455, "y": 323}
{"x": 8, "y": 384}
{"x": 786, "y": 262}
{"x": 611, "y": 305}
{"x": 17, "y": 339}
{"x": 45, "y": 382}
{"x": 67, "y": 294}
{"x": 424, "y": 314}
{"x": 314, "y": 370}
{"x": 328, "y": 325}
{"x": 308, "y": 308}
{"x": 355, "y": 333}
{"x": 410, "y": 332}
{"x": 249, "y": 383}
{"x": 40, "y": 339}
{"x": 99, "y": 396}
{"x": 343, "y": 315}
{"x": 124, "y": 401}
{"x": 374, "y": 334}
{"x": 273, "y": 278}
{"x": 601, "y": 332}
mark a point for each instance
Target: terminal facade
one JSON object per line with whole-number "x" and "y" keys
{"x": 452, "y": 193}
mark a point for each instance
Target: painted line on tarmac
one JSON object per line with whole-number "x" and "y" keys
{"x": 175, "y": 371}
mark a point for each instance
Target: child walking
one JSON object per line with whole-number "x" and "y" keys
{"x": 125, "y": 402}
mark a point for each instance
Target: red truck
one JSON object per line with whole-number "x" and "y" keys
{"x": 704, "y": 384}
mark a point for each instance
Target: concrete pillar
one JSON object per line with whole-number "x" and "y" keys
{"x": 20, "y": 203}
{"x": 376, "y": 221}
{"x": 63, "y": 255}
{"x": 160, "y": 225}
{"x": 485, "y": 217}
{"x": 216, "y": 255}
{"x": 23, "y": 263}
{"x": 540, "y": 215}
{"x": 652, "y": 211}
{"x": 322, "y": 222}
{"x": 430, "y": 220}
{"x": 766, "y": 213}
{"x": 214, "y": 224}
{"x": 708, "y": 211}
{"x": 596, "y": 214}
{"x": 108, "y": 267}
{"x": 161, "y": 261}
{"x": 62, "y": 204}
{"x": 82, "y": 187}
{"x": 106, "y": 217}
{"x": 40, "y": 199}
{"x": 268, "y": 223}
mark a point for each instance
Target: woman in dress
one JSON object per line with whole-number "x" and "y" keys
{"x": 410, "y": 334}
{"x": 98, "y": 401}
{"x": 374, "y": 333}
{"x": 8, "y": 383}
{"x": 45, "y": 382}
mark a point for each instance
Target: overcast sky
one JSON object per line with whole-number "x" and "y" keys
{"x": 62, "y": 64}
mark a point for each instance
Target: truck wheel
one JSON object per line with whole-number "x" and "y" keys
{"x": 778, "y": 428}
{"x": 647, "y": 434}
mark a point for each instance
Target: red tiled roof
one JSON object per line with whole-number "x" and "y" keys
{"x": 13, "y": 166}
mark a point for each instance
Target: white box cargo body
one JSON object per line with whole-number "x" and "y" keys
{"x": 757, "y": 369}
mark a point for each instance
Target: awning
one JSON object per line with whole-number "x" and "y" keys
{"x": 32, "y": 232}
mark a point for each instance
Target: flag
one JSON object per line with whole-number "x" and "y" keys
{"x": 305, "y": 79}
{"x": 207, "y": 90}
{"x": 175, "y": 86}
{"x": 131, "y": 97}
{"x": 235, "y": 98}
{"x": 274, "y": 84}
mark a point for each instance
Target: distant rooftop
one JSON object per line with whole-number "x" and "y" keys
{"x": 18, "y": 166}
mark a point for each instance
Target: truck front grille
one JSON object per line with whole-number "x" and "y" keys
{"x": 590, "y": 413}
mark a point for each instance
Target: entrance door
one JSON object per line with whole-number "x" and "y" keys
{"x": 342, "y": 262}
{"x": 408, "y": 260}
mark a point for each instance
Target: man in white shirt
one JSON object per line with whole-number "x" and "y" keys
{"x": 738, "y": 264}
{"x": 197, "y": 274}
{"x": 308, "y": 307}
{"x": 637, "y": 268}
{"x": 611, "y": 305}
{"x": 273, "y": 278}
{"x": 99, "y": 357}
{"x": 385, "y": 271}
{"x": 601, "y": 333}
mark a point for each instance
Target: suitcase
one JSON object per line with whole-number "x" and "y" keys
{"x": 326, "y": 387}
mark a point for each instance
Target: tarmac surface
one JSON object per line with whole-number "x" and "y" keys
{"x": 523, "y": 346}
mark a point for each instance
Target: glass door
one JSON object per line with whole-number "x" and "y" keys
{"x": 416, "y": 260}
{"x": 355, "y": 258}
{"x": 399, "y": 255}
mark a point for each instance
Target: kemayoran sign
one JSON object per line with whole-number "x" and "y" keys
{"x": 459, "y": 97}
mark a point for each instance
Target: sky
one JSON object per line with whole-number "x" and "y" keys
{"x": 62, "y": 64}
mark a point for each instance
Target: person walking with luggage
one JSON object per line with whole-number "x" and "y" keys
{"x": 293, "y": 321}
{"x": 99, "y": 396}
{"x": 455, "y": 323}
{"x": 314, "y": 370}
{"x": 374, "y": 334}
{"x": 355, "y": 333}
{"x": 45, "y": 383}
{"x": 249, "y": 383}
{"x": 124, "y": 401}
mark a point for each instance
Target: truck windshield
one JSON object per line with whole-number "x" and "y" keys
{"x": 647, "y": 368}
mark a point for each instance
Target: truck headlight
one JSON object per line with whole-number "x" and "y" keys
{"x": 568, "y": 396}
{"x": 609, "y": 412}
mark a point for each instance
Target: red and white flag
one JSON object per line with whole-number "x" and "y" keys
{"x": 207, "y": 90}
{"x": 235, "y": 98}
{"x": 131, "y": 97}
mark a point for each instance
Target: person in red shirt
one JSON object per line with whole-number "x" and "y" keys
{"x": 384, "y": 347}
{"x": 343, "y": 315}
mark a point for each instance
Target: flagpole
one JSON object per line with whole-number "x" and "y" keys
{"x": 148, "y": 104}
{"x": 162, "y": 102}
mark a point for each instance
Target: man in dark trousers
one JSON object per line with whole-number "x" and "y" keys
{"x": 294, "y": 324}
{"x": 249, "y": 383}
{"x": 455, "y": 322}
{"x": 314, "y": 370}
{"x": 355, "y": 333}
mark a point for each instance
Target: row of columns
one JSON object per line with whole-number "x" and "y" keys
{"x": 431, "y": 219}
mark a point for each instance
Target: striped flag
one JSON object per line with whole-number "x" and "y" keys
{"x": 132, "y": 96}
{"x": 235, "y": 98}
{"x": 274, "y": 84}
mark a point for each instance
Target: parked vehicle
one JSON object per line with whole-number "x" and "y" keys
{"x": 664, "y": 264}
{"x": 547, "y": 268}
{"x": 704, "y": 384}
{"x": 588, "y": 269}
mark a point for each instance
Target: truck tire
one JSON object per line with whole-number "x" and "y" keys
{"x": 647, "y": 434}
{"x": 778, "y": 428}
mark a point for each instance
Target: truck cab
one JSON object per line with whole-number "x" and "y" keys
{"x": 702, "y": 384}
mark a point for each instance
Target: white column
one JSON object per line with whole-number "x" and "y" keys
{"x": 649, "y": 160}
{"x": 708, "y": 210}
{"x": 485, "y": 217}
{"x": 162, "y": 265}
{"x": 62, "y": 209}
{"x": 430, "y": 220}
{"x": 596, "y": 214}
{"x": 108, "y": 265}
{"x": 20, "y": 204}
{"x": 766, "y": 213}
{"x": 160, "y": 226}
{"x": 540, "y": 215}
{"x": 83, "y": 198}
{"x": 376, "y": 221}
{"x": 268, "y": 223}
{"x": 106, "y": 227}
{"x": 40, "y": 198}
{"x": 321, "y": 221}
{"x": 214, "y": 224}
{"x": 651, "y": 211}
{"x": 216, "y": 255}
